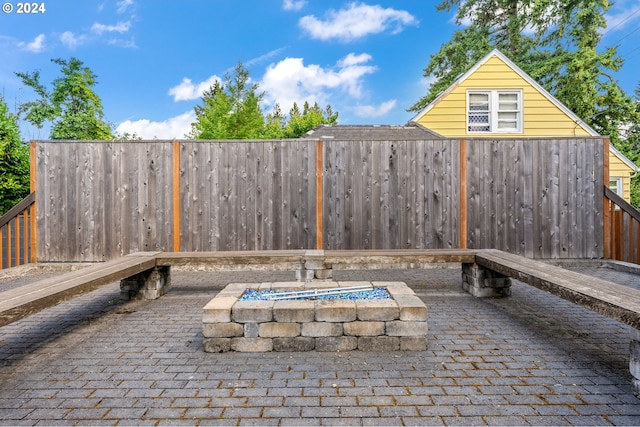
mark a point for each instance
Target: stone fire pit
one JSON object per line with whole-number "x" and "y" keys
{"x": 399, "y": 323}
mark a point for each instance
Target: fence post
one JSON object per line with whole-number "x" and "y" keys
{"x": 319, "y": 194}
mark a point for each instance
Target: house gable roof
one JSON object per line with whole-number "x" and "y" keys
{"x": 522, "y": 74}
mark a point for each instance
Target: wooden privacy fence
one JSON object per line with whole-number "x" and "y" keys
{"x": 98, "y": 200}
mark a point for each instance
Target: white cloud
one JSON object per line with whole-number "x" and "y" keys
{"x": 187, "y": 90}
{"x": 293, "y": 4}
{"x": 352, "y": 60}
{"x": 127, "y": 44}
{"x": 356, "y": 21}
{"x": 290, "y": 80}
{"x": 123, "y": 5}
{"x": 174, "y": 127}
{"x": 120, "y": 27}
{"x": 71, "y": 40}
{"x": 36, "y": 46}
{"x": 375, "y": 110}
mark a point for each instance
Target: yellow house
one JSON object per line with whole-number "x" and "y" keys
{"x": 495, "y": 98}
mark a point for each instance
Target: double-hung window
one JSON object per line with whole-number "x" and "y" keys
{"x": 494, "y": 111}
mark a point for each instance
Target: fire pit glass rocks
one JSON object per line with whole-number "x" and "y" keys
{"x": 315, "y": 315}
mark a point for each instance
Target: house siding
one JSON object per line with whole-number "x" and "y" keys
{"x": 541, "y": 118}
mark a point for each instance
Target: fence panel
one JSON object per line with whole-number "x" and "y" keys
{"x": 541, "y": 198}
{"x": 97, "y": 200}
{"x": 391, "y": 194}
{"x": 247, "y": 195}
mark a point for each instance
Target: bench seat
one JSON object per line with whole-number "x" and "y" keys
{"x": 23, "y": 301}
{"x": 230, "y": 259}
{"x": 618, "y": 302}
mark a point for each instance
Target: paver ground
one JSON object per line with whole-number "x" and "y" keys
{"x": 530, "y": 359}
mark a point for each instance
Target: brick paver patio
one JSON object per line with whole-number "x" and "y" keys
{"x": 530, "y": 359}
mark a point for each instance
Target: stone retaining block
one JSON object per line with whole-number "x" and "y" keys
{"x": 230, "y": 324}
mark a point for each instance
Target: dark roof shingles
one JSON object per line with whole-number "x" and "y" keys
{"x": 371, "y": 133}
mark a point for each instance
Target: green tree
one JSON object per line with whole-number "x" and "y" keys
{"x": 580, "y": 76}
{"x": 231, "y": 110}
{"x": 311, "y": 117}
{"x": 501, "y": 24}
{"x": 72, "y": 107}
{"x": 14, "y": 161}
{"x": 631, "y": 146}
{"x": 275, "y": 123}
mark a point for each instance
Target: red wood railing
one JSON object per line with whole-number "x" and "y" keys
{"x": 622, "y": 229}
{"x": 18, "y": 234}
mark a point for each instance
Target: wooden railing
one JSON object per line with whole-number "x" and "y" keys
{"x": 17, "y": 234}
{"x": 622, "y": 229}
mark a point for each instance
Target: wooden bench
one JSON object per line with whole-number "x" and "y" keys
{"x": 618, "y": 302}
{"x": 137, "y": 270}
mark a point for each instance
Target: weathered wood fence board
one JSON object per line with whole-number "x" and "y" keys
{"x": 391, "y": 194}
{"x": 540, "y": 199}
{"x": 98, "y": 200}
{"x": 247, "y": 195}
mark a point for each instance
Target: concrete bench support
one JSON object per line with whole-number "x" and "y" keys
{"x": 151, "y": 284}
{"x": 484, "y": 283}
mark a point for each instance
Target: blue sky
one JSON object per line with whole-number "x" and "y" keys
{"x": 153, "y": 58}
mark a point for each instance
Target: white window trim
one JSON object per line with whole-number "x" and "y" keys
{"x": 619, "y": 186}
{"x": 493, "y": 109}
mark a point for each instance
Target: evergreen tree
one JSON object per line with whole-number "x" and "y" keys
{"x": 311, "y": 117}
{"x": 231, "y": 110}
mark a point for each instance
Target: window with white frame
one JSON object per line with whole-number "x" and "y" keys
{"x": 494, "y": 111}
{"x": 615, "y": 184}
